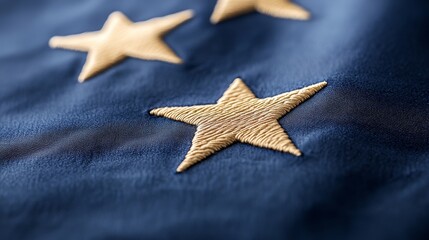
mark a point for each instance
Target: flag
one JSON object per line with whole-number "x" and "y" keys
{"x": 216, "y": 119}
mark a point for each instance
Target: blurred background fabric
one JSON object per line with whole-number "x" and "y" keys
{"x": 87, "y": 161}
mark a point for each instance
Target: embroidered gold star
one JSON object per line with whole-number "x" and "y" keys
{"x": 120, "y": 38}
{"x": 277, "y": 8}
{"x": 238, "y": 116}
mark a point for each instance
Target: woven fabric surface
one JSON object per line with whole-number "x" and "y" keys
{"x": 88, "y": 161}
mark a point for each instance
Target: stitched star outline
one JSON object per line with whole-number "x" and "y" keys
{"x": 226, "y": 9}
{"x": 121, "y": 38}
{"x": 238, "y": 116}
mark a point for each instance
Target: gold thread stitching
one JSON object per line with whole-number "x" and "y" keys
{"x": 238, "y": 116}
{"x": 120, "y": 38}
{"x": 226, "y": 9}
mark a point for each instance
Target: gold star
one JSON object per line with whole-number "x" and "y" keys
{"x": 277, "y": 8}
{"x": 120, "y": 38}
{"x": 238, "y": 116}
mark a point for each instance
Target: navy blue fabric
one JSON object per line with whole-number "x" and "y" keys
{"x": 87, "y": 161}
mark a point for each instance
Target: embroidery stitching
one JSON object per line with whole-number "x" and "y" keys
{"x": 226, "y": 9}
{"x": 238, "y": 116}
{"x": 120, "y": 38}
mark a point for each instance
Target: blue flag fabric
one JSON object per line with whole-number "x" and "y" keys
{"x": 87, "y": 161}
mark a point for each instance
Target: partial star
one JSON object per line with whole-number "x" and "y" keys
{"x": 120, "y": 38}
{"x": 226, "y": 9}
{"x": 238, "y": 116}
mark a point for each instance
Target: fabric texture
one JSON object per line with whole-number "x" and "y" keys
{"x": 88, "y": 161}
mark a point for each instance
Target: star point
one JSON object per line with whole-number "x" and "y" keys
{"x": 238, "y": 116}
{"x": 120, "y": 38}
{"x": 226, "y": 9}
